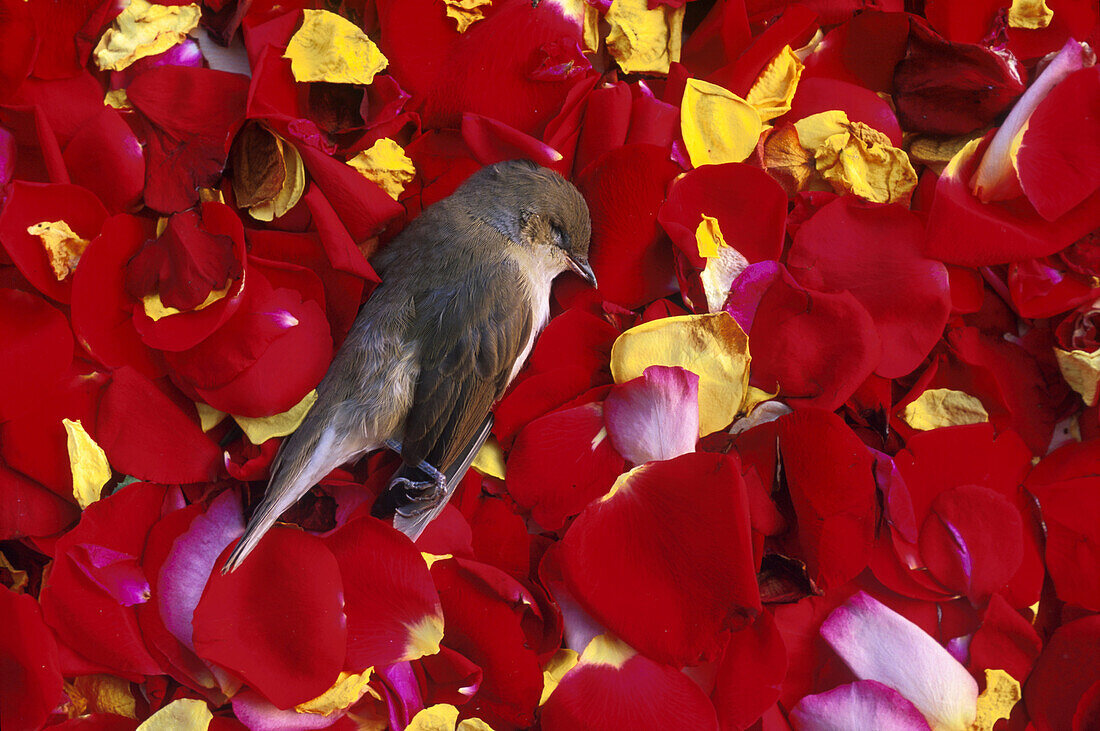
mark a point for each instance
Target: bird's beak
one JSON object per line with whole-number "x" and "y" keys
{"x": 583, "y": 268}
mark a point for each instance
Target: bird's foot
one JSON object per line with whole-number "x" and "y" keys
{"x": 420, "y": 495}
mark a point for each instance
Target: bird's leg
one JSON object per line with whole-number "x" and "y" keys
{"x": 426, "y": 491}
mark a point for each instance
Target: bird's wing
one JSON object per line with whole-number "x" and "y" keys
{"x": 470, "y": 338}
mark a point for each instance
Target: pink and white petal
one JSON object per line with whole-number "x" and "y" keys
{"x": 863, "y": 704}
{"x": 258, "y": 714}
{"x": 879, "y": 644}
{"x": 654, "y": 416}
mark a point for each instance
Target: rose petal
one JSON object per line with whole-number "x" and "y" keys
{"x": 654, "y": 416}
{"x": 672, "y": 606}
{"x": 30, "y": 682}
{"x": 855, "y": 705}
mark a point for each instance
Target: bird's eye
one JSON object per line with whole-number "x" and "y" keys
{"x": 560, "y": 239}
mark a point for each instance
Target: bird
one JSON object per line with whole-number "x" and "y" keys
{"x": 465, "y": 290}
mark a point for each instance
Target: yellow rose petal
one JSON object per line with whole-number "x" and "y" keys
{"x": 1001, "y": 694}
{"x": 63, "y": 246}
{"x": 209, "y": 417}
{"x": 1081, "y": 371}
{"x": 88, "y": 463}
{"x": 18, "y": 578}
{"x": 473, "y": 724}
{"x": 561, "y": 663}
{"x": 100, "y": 694}
{"x": 712, "y": 346}
{"x": 773, "y": 90}
{"x": 466, "y": 12}
{"x": 330, "y": 48}
{"x": 940, "y": 407}
{"x": 344, "y": 693}
{"x": 724, "y": 263}
{"x": 1031, "y": 14}
{"x": 424, "y": 637}
{"x": 142, "y": 30}
{"x": 855, "y": 158}
{"x": 440, "y": 717}
{"x": 260, "y": 429}
{"x": 717, "y": 125}
{"x": 643, "y": 40}
{"x": 117, "y": 99}
{"x": 386, "y": 165}
{"x": 185, "y": 714}
{"x": 155, "y": 309}
{"x": 607, "y": 650}
{"x": 490, "y": 459}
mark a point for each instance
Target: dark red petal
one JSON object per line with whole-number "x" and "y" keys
{"x": 624, "y": 190}
{"x": 639, "y": 693}
{"x": 38, "y": 350}
{"x": 829, "y": 473}
{"x": 860, "y": 104}
{"x": 1058, "y": 160}
{"x": 1070, "y": 509}
{"x": 146, "y": 434}
{"x": 561, "y": 462}
{"x": 105, "y": 157}
{"x": 390, "y": 602}
{"x": 192, "y": 115}
{"x": 28, "y": 509}
{"x": 1068, "y": 667}
{"x": 277, "y": 621}
{"x": 873, "y": 252}
{"x": 1005, "y": 640}
{"x": 363, "y": 207}
{"x": 670, "y": 605}
{"x": 32, "y": 203}
{"x": 30, "y": 677}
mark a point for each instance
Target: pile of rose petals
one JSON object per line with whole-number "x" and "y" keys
{"x": 821, "y": 452}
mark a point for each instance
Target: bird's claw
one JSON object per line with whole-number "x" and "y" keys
{"x": 426, "y": 491}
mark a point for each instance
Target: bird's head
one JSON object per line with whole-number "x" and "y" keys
{"x": 537, "y": 209}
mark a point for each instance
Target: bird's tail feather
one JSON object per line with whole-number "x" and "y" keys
{"x": 304, "y": 458}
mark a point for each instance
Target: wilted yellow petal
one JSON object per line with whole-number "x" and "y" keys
{"x": 100, "y": 694}
{"x": 643, "y": 40}
{"x": 424, "y": 637}
{"x": 345, "y": 692}
{"x": 294, "y": 185}
{"x": 940, "y": 407}
{"x": 144, "y": 29}
{"x": 855, "y": 158}
{"x": 117, "y": 98}
{"x": 440, "y": 717}
{"x": 63, "y": 247}
{"x": 466, "y": 12}
{"x": 936, "y": 151}
{"x": 1081, "y": 371}
{"x": 209, "y": 417}
{"x": 185, "y": 714}
{"x": 431, "y": 558}
{"x": 18, "y": 578}
{"x": 773, "y": 90}
{"x": 786, "y": 160}
{"x": 1001, "y": 694}
{"x": 561, "y": 663}
{"x": 724, "y": 263}
{"x": 712, "y": 346}
{"x": 260, "y": 429}
{"x": 718, "y": 126}
{"x": 490, "y": 459}
{"x": 386, "y": 165}
{"x": 473, "y": 724}
{"x": 607, "y": 650}
{"x": 88, "y": 463}
{"x": 1031, "y": 14}
{"x": 330, "y": 48}
{"x": 155, "y": 309}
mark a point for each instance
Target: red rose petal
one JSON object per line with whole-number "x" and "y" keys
{"x": 1058, "y": 160}
{"x": 82, "y": 614}
{"x": 874, "y": 252}
{"x": 639, "y": 693}
{"x": 28, "y": 509}
{"x": 105, "y": 157}
{"x": 1005, "y": 640}
{"x": 624, "y": 190}
{"x": 1068, "y": 667}
{"x": 277, "y": 620}
{"x": 751, "y": 673}
{"x": 32, "y": 203}
{"x": 389, "y": 600}
{"x": 38, "y": 350}
{"x": 146, "y": 434}
{"x": 1070, "y": 511}
{"x": 561, "y": 462}
{"x": 860, "y": 104}
{"x": 192, "y": 115}
{"x": 670, "y": 605}
{"x": 829, "y": 473}
{"x": 363, "y": 207}
{"x": 30, "y": 678}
